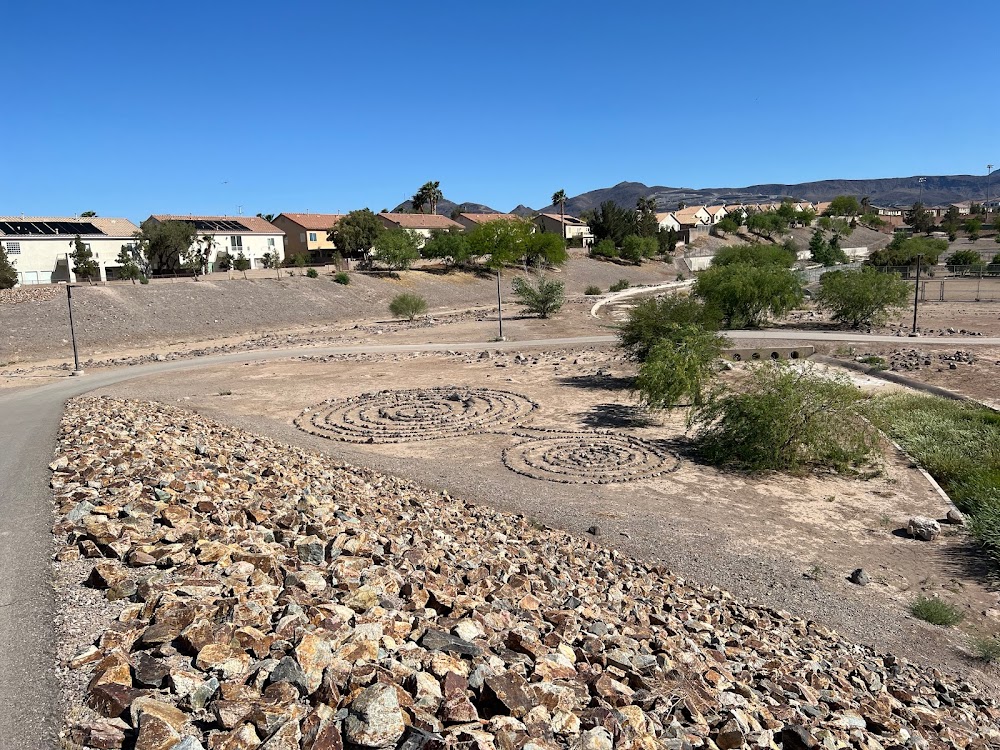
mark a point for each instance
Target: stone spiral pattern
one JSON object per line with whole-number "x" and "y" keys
{"x": 589, "y": 458}
{"x": 400, "y": 416}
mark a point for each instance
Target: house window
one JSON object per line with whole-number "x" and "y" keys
{"x": 270, "y": 241}
{"x": 302, "y": 236}
{"x": 13, "y": 248}
{"x": 236, "y": 242}
{"x": 312, "y": 236}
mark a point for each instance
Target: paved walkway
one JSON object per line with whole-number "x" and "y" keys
{"x": 29, "y": 710}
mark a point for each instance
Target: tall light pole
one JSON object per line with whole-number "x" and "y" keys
{"x": 920, "y": 194}
{"x": 989, "y": 172}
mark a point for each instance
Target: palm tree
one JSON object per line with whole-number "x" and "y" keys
{"x": 428, "y": 195}
{"x": 559, "y": 199}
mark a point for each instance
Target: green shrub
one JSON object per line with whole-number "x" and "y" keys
{"x": 312, "y": 273}
{"x": 875, "y": 362}
{"x": 619, "y": 286}
{"x": 341, "y": 277}
{"x": 786, "y": 418}
{"x": 654, "y": 319}
{"x": 592, "y": 291}
{"x": 604, "y": 249}
{"x": 408, "y": 306}
{"x": 543, "y": 298}
{"x": 935, "y": 611}
{"x": 679, "y": 366}
{"x": 986, "y": 648}
{"x": 635, "y": 248}
{"x": 755, "y": 255}
{"x": 143, "y": 279}
{"x": 861, "y": 297}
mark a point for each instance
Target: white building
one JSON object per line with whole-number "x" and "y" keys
{"x": 232, "y": 235}
{"x": 39, "y": 247}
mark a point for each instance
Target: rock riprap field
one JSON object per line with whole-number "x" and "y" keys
{"x": 219, "y": 590}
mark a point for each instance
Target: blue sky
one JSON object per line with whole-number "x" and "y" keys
{"x": 182, "y": 107}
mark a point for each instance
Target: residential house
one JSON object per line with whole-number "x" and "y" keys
{"x": 964, "y": 207}
{"x": 737, "y": 208}
{"x": 891, "y": 215}
{"x": 821, "y": 207}
{"x": 804, "y": 206}
{"x": 422, "y": 224}
{"x": 718, "y": 213}
{"x": 573, "y": 228}
{"x": 307, "y": 234}
{"x": 39, "y": 247}
{"x": 695, "y": 221}
{"x": 231, "y": 235}
{"x": 668, "y": 221}
{"x": 473, "y": 220}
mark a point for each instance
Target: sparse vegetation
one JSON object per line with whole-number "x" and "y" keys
{"x": 342, "y": 277}
{"x": 241, "y": 263}
{"x": 542, "y": 298}
{"x": 83, "y": 261}
{"x": 619, "y": 286}
{"x": 408, "y": 306}
{"x": 875, "y": 362}
{"x": 604, "y": 249}
{"x": 312, "y": 273}
{"x": 592, "y": 291}
{"x": 959, "y": 445}
{"x": 654, "y": 320}
{"x": 8, "y": 274}
{"x": 935, "y": 611}
{"x": 755, "y": 255}
{"x": 396, "y": 249}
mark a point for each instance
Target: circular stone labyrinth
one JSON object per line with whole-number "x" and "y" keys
{"x": 589, "y": 458}
{"x": 418, "y": 414}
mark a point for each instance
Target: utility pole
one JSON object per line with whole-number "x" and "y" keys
{"x": 920, "y": 194}
{"x": 916, "y": 292}
{"x": 72, "y": 330}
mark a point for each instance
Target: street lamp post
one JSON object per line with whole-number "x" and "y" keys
{"x": 72, "y": 331}
{"x": 989, "y": 172}
{"x": 920, "y": 194}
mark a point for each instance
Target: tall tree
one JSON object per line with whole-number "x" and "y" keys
{"x": 505, "y": 241}
{"x": 128, "y": 268}
{"x": 8, "y": 274}
{"x": 919, "y": 218}
{"x": 88, "y": 214}
{"x": 559, "y": 199}
{"x": 196, "y": 257}
{"x": 164, "y": 243}
{"x": 355, "y": 234}
{"x": 266, "y": 217}
{"x": 83, "y": 260}
{"x": 612, "y": 222}
{"x": 843, "y": 205}
{"x": 646, "y": 224}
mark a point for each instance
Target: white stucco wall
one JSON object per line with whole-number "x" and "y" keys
{"x": 43, "y": 260}
{"x": 254, "y": 245}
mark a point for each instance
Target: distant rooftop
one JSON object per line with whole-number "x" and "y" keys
{"x": 50, "y": 226}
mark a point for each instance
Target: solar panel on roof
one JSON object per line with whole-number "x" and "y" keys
{"x": 27, "y": 228}
{"x": 218, "y": 225}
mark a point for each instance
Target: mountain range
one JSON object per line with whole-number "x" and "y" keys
{"x": 890, "y": 191}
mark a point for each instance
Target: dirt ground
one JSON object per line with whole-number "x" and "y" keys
{"x": 789, "y": 542}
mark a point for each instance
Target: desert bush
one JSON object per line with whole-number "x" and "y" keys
{"x": 786, "y": 418}
{"x": 408, "y": 306}
{"x": 861, "y": 297}
{"x": 935, "y": 611}
{"x": 619, "y": 286}
{"x": 143, "y": 279}
{"x": 653, "y": 320}
{"x": 396, "y": 249}
{"x": 342, "y": 277}
{"x": 312, "y": 273}
{"x": 635, "y": 248}
{"x": 986, "y": 648}
{"x": 543, "y": 298}
{"x": 679, "y": 366}
{"x": 592, "y": 291}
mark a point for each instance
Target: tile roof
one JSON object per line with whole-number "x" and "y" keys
{"x": 255, "y": 224}
{"x": 112, "y": 227}
{"x": 664, "y": 215}
{"x": 483, "y": 218}
{"x": 569, "y": 219}
{"x": 688, "y": 215}
{"x": 314, "y": 221}
{"x": 419, "y": 221}
{"x": 715, "y": 209}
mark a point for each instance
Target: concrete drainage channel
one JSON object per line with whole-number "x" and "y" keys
{"x": 775, "y": 353}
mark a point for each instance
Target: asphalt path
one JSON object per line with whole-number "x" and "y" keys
{"x": 30, "y": 714}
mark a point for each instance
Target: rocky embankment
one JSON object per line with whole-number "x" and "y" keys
{"x": 219, "y": 591}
